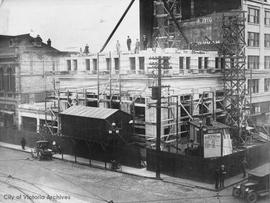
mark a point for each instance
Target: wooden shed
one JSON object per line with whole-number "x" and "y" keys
{"x": 103, "y": 133}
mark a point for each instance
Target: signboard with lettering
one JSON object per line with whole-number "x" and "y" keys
{"x": 203, "y": 31}
{"x": 212, "y": 145}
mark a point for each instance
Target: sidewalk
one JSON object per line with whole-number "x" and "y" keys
{"x": 141, "y": 172}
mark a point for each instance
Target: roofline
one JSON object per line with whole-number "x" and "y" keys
{"x": 29, "y": 36}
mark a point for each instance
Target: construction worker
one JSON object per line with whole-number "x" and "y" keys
{"x": 118, "y": 46}
{"x": 128, "y": 43}
{"x": 145, "y": 42}
{"x": 137, "y": 46}
{"x": 86, "y": 49}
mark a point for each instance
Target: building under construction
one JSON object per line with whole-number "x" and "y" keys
{"x": 194, "y": 71}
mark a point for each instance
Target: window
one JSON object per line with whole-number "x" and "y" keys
{"x": 116, "y": 64}
{"x": 141, "y": 63}
{"x": 200, "y": 63}
{"x": 132, "y": 63}
{"x": 108, "y": 64}
{"x": 181, "y": 63}
{"x": 267, "y": 17}
{"x": 87, "y": 64}
{"x": 9, "y": 76}
{"x": 69, "y": 65}
{"x": 217, "y": 63}
{"x": 267, "y": 84}
{"x": 253, "y": 39}
{"x": 253, "y": 15}
{"x": 205, "y": 62}
{"x": 223, "y": 63}
{"x": 267, "y": 62}
{"x": 266, "y": 40}
{"x": 75, "y": 64}
{"x": 1, "y": 79}
{"x": 253, "y": 62}
{"x": 95, "y": 64}
{"x": 11, "y": 43}
{"x": 188, "y": 63}
{"x": 257, "y": 109}
{"x": 253, "y": 86}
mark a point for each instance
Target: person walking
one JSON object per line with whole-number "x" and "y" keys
{"x": 128, "y": 43}
{"x": 244, "y": 165}
{"x": 222, "y": 174}
{"x": 23, "y": 143}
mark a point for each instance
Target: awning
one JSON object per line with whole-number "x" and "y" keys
{"x": 7, "y": 112}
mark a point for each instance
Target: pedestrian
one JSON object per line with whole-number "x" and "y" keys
{"x": 137, "y": 46}
{"x": 128, "y": 43}
{"x": 145, "y": 42}
{"x": 23, "y": 143}
{"x": 217, "y": 178}
{"x": 244, "y": 165}
{"x": 59, "y": 149}
{"x": 222, "y": 174}
{"x": 117, "y": 47}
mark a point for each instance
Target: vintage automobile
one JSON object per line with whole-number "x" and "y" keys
{"x": 256, "y": 186}
{"x": 42, "y": 150}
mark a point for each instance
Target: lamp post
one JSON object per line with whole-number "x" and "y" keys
{"x": 114, "y": 131}
{"x": 202, "y": 130}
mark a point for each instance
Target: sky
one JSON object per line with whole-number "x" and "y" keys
{"x": 70, "y": 24}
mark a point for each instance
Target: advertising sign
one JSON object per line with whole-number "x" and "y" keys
{"x": 212, "y": 145}
{"x": 199, "y": 30}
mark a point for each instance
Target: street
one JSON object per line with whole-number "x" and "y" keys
{"x": 23, "y": 179}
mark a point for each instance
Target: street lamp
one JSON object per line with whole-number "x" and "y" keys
{"x": 113, "y": 132}
{"x": 202, "y": 130}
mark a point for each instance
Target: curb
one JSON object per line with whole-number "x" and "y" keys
{"x": 21, "y": 150}
{"x": 136, "y": 175}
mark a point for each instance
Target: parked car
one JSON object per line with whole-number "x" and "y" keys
{"x": 42, "y": 150}
{"x": 256, "y": 186}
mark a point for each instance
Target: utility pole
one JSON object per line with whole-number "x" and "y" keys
{"x": 158, "y": 119}
{"x": 163, "y": 63}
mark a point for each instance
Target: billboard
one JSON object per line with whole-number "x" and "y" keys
{"x": 212, "y": 145}
{"x": 199, "y": 30}
{"x": 198, "y": 8}
{"x": 200, "y": 18}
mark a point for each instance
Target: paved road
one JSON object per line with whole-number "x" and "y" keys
{"x": 25, "y": 180}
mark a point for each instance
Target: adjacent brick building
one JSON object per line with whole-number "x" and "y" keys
{"x": 27, "y": 69}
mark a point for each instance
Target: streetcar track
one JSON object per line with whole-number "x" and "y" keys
{"x": 30, "y": 183}
{"x": 17, "y": 188}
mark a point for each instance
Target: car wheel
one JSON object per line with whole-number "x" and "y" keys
{"x": 252, "y": 197}
{"x": 236, "y": 192}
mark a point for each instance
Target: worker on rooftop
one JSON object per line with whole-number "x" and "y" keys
{"x": 128, "y": 43}
{"x": 145, "y": 42}
{"x": 86, "y": 49}
{"x": 137, "y": 46}
{"x": 118, "y": 47}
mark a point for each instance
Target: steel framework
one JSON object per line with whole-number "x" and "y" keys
{"x": 167, "y": 31}
{"x": 233, "y": 51}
